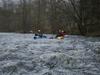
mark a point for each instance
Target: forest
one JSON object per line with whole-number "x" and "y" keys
{"x": 81, "y": 17}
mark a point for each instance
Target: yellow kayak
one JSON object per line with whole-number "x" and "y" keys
{"x": 60, "y": 37}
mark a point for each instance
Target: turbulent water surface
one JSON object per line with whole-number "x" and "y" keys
{"x": 20, "y": 54}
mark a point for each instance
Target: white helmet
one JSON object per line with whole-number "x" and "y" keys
{"x": 39, "y": 30}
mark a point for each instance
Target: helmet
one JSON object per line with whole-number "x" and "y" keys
{"x": 39, "y": 30}
{"x": 62, "y": 31}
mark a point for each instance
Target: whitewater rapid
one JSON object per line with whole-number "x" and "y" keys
{"x": 20, "y": 54}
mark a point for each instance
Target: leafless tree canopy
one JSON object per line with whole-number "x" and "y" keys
{"x": 73, "y": 16}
